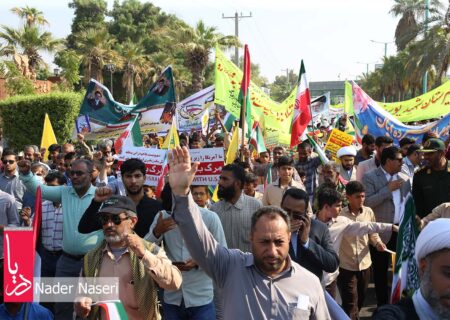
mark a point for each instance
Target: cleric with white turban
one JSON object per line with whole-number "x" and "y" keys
{"x": 434, "y": 237}
{"x": 432, "y": 300}
{"x": 347, "y": 156}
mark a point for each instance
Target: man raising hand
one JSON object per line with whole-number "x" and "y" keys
{"x": 261, "y": 279}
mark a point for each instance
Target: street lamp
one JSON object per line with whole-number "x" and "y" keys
{"x": 56, "y": 72}
{"x": 111, "y": 68}
{"x": 385, "y": 45}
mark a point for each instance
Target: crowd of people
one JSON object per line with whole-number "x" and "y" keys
{"x": 289, "y": 234}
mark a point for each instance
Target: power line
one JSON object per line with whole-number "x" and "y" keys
{"x": 236, "y": 32}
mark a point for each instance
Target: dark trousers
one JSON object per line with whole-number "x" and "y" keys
{"x": 49, "y": 260}
{"x": 331, "y": 289}
{"x": 352, "y": 287}
{"x": 66, "y": 267}
{"x": 173, "y": 312}
{"x": 380, "y": 265}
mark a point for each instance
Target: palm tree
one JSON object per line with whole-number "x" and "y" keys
{"x": 29, "y": 41}
{"x": 96, "y": 49}
{"x": 32, "y": 16}
{"x": 411, "y": 14}
{"x": 198, "y": 43}
{"x": 135, "y": 64}
{"x": 427, "y": 42}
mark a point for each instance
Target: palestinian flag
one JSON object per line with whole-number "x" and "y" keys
{"x": 114, "y": 310}
{"x": 268, "y": 178}
{"x": 244, "y": 94}
{"x": 131, "y": 136}
{"x": 406, "y": 274}
{"x": 318, "y": 149}
{"x": 257, "y": 139}
{"x": 228, "y": 121}
{"x": 302, "y": 112}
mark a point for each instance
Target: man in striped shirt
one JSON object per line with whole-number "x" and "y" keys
{"x": 52, "y": 228}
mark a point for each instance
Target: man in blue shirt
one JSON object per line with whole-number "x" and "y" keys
{"x": 75, "y": 200}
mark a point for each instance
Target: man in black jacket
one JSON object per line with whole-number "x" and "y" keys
{"x": 310, "y": 240}
{"x": 133, "y": 177}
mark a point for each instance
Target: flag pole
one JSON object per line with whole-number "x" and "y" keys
{"x": 312, "y": 118}
{"x": 243, "y": 106}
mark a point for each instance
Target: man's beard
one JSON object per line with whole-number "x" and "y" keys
{"x": 347, "y": 167}
{"x": 133, "y": 193}
{"x": 226, "y": 193}
{"x": 431, "y": 296}
{"x": 113, "y": 239}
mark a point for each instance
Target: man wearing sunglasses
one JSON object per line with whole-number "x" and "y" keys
{"x": 133, "y": 173}
{"x": 386, "y": 188}
{"x": 9, "y": 179}
{"x": 310, "y": 244}
{"x": 74, "y": 199}
{"x": 135, "y": 261}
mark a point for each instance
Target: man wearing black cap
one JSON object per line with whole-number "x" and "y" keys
{"x": 135, "y": 261}
{"x": 431, "y": 183}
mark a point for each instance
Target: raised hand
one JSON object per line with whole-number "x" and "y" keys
{"x": 163, "y": 225}
{"x": 181, "y": 172}
{"x": 102, "y": 194}
{"x": 134, "y": 243}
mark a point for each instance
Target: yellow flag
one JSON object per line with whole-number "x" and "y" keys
{"x": 233, "y": 147}
{"x": 172, "y": 139}
{"x": 231, "y": 156}
{"x": 48, "y": 136}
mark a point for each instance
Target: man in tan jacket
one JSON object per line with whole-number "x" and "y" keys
{"x": 133, "y": 260}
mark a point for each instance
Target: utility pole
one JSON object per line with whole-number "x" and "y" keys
{"x": 427, "y": 16}
{"x": 236, "y": 32}
{"x": 287, "y": 78}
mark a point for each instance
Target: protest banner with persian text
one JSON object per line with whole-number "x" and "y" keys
{"x": 371, "y": 118}
{"x": 431, "y": 105}
{"x": 274, "y": 118}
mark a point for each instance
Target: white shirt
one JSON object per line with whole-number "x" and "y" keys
{"x": 341, "y": 226}
{"x": 396, "y": 196}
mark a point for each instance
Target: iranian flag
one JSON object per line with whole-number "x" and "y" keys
{"x": 114, "y": 310}
{"x": 302, "y": 112}
{"x": 257, "y": 139}
{"x": 131, "y": 136}
{"x": 244, "y": 94}
{"x": 405, "y": 279}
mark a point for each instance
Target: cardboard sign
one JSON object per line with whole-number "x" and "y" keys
{"x": 337, "y": 140}
{"x": 211, "y": 164}
{"x": 154, "y": 160}
{"x": 208, "y": 173}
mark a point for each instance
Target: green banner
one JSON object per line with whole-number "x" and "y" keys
{"x": 275, "y": 118}
{"x": 431, "y": 105}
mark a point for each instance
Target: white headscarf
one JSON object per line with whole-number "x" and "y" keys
{"x": 434, "y": 237}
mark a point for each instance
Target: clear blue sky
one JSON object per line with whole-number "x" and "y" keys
{"x": 332, "y": 36}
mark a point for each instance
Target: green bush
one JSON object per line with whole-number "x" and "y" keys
{"x": 23, "y": 117}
